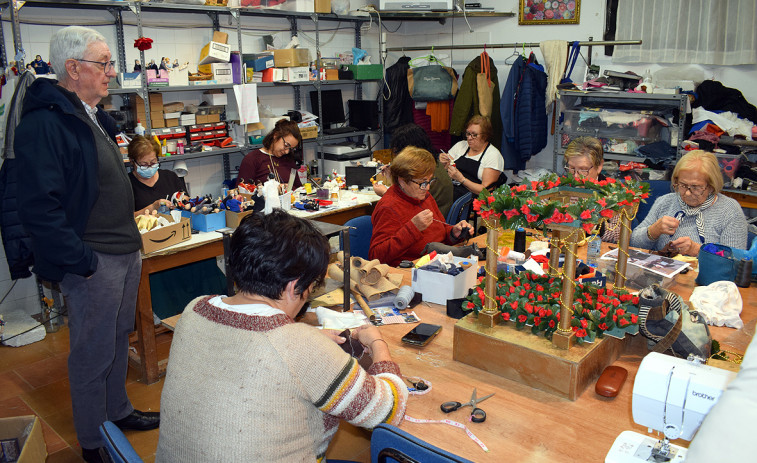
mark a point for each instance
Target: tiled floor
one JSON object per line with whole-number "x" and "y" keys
{"x": 34, "y": 381}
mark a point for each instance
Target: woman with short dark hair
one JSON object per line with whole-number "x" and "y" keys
{"x": 246, "y": 383}
{"x": 278, "y": 156}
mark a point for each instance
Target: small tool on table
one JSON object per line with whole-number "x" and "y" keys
{"x": 476, "y": 415}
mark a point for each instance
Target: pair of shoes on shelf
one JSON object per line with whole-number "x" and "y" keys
{"x": 98, "y": 455}
{"x": 139, "y": 421}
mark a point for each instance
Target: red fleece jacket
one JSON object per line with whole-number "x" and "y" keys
{"x": 395, "y": 238}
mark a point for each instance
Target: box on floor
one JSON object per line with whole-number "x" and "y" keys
{"x": 22, "y": 434}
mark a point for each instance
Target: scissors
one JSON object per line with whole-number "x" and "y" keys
{"x": 476, "y": 415}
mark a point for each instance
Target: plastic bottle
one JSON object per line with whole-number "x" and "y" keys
{"x": 180, "y": 147}
{"x": 139, "y": 129}
{"x": 593, "y": 251}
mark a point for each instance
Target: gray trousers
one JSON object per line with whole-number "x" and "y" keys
{"x": 101, "y": 316}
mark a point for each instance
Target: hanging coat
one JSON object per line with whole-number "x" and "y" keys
{"x": 466, "y": 102}
{"x": 398, "y": 109}
{"x": 524, "y": 115}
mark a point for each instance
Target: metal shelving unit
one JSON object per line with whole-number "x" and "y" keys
{"x": 118, "y": 8}
{"x": 619, "y": 117}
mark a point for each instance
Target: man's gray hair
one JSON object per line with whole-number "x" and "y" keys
{"x": 70, "y": 43}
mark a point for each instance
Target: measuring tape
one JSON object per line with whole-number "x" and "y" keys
{"x": 451, "y": 423}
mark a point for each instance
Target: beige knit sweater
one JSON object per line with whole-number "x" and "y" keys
{"x": 261, "y": 388}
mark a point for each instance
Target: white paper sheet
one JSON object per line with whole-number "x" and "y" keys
{"x": 247, "y": 103}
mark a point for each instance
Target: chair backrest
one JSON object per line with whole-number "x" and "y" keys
{"x": 460, "y": 209}
{"x": 657, "y": 188}
{"x": 392, "y": 445}
{"x": 360, "y": 236}
{"x": 118, "y": 446}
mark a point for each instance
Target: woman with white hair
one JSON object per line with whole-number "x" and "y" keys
{"x": 695, "y": 213}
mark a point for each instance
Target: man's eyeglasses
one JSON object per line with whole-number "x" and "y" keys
{"x": 107, "y": 65}
{"x": 425, "y": 184}
{"x": 696, "y": 190}
{"x": 473, "y": 135}
{"x": 148, "y": 166}
{"x": 580, "y": 172}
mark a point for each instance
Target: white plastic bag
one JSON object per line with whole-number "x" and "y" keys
{"x": 720, "y": 303}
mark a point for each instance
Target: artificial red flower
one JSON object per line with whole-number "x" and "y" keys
{"x": 602, "y": 326}
{"x": 581, "y": 333}
{"x": 584, "y": 323}
{"x": 471, "y": 305}
{"x": 602, "y": 202}
{"x": 505, "y": 316}
{"x": 623, "y": 322}
{"x": 143, "y": 43}
{"x": 606, "y": 213}
{"x": 586, "y": 214}
{"x": 537, "y": 320}
{"x": 552, "y": 323}
{"x": 522, "y": 318}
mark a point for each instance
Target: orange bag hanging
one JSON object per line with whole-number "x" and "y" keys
{"x": 484, "y": 86}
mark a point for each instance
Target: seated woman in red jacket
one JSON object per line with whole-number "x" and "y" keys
{"x": 406, "y": 218}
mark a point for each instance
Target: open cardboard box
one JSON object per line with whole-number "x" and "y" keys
{"x": 169, "y": 235}
{"x": 27, "y": 432}
{"x": 439, "y": 287}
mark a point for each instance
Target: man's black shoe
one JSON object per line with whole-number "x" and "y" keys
{"x": 98, "y": 455}
{"x": 139, "y": 421}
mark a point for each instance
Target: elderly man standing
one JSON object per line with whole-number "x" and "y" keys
{"x": 77, "y": 208}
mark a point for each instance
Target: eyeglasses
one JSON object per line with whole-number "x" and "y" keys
{"x": 289, "y": 147}
{"x": 147, "y": 166}
{"x": 472, "y": 135}
{"x": 424, "y": 185}
{"x": 580, "y": 172}
{"x": 107, "y": 65}
{"x": 695, "y": 190}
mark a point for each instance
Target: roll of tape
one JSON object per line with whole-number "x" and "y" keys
{"x": 403, "y": 298}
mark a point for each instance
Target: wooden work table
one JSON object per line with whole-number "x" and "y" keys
{"x": 524, "y": 424}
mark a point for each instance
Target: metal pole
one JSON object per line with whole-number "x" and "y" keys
{"x": 509, "y": 45}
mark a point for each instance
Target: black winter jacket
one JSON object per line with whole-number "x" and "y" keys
{"x": 398, "y": 109}
{"x": 57, "y": 164}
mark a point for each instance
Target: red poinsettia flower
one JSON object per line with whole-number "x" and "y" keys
{"x": 510, "y": 213}
{"x": 602, "y": 202}
{"x": 581, "y": 333}
{"x": 522, "y": 318}
{"x": 477, "y": 205}
{"x": 586, "y": 214}
{"x": 602, "y": 326}
{"x": 471, "y": 305}
{"x": 634, "y": 318}
{"x": 531, "y": 218}
{"x": 552, "y": 323}
{"x": 584, "y": 323}
{"x": 490, "y": 199}
{"x": 623, "y": 322}
{"x": 506, "y": 316}
{"x": 607, "y": 213}
{"x": 588, "y": 227}
{"x": 537, "y": 320}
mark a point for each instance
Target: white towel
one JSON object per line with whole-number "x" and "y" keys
{"x": 555, "y": 53}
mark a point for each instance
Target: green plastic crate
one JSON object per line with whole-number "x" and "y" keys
{"x": 366, "y": 71}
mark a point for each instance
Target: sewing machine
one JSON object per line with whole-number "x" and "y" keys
{"x": 670, "y": 395}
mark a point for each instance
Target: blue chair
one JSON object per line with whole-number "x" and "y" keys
{"x": 460, "y": 209}
{"x": 657, "y": 188}
{"x": 360, "y": 236}
{"x": 118, "y": 446}
{"x": 390, "y": 444}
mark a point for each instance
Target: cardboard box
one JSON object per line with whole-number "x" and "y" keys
{"x": 233, "y": 219}
{"x": 172, "y": 122}
{"x": 157, "y": 123}
{"x": 213, "y": 52}
{"x": 156, "y": 99}
{"x": 309, "y": 132}
{"x": 260, "y": 64}
{"x": 222, "y": 73}
{"x": 332, "y": 74}
{"x": 322, "y": 6}
{"x": 209, "y": 222}
{"x": 297, "y": 74}
{"x": 173, "y": 107}
{"x": 31, "y": 442}
{"x": 169, "y": 235}
{"x": 291, "y": 57}
{"x": 220, "y": 37}
{"x": 207, "y": 118}
{"x": 215, "y": 98}
{"x": 440, "y": 287}
{"x": 130, "y": 79}
{"x": 366, "y": 71}
{"x": 187, "y": 119}
{"x": 178, "y": 77}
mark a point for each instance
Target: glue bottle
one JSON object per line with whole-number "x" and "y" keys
{"x": 593, "y": 251}
{"x": 139, "y": 129}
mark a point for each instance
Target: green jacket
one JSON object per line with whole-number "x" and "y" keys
{"x": 466, "y": 102}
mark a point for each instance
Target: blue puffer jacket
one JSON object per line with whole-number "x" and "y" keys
{"x": 57, "y": 168}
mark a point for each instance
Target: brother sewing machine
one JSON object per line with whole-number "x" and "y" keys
{"x": 670, "y": 395}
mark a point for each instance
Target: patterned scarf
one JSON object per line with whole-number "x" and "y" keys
{"x": 695, "y": 211}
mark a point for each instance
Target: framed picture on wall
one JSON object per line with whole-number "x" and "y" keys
{"x": 533, "y": 12}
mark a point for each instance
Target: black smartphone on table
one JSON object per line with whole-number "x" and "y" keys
{"x": 421, "y": 334}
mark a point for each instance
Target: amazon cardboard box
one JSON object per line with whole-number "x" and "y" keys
{"x": 168, "y": 235}
{"x": 21, "y": 440}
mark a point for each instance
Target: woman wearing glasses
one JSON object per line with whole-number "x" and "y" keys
{"x": 474, "y": 164}
{"x": 406, "y": 218}
{"x": 696, "y": 213}
{"x": 149, "y": 183}
{"x": 278, "y": 156}
{"x": 584, "y": 158}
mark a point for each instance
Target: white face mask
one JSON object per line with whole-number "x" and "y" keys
{"x": 147, "y": 172}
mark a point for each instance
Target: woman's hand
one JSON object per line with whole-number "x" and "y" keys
{"x": 686, "y": 246}
{"x": 423, "y": 219}
{"x": 334, "y": 336}
{"x": 665, "y": 225}
{"x": 455, "y": 174}
{"x": 459, "y": 227}
{"x": 370, "y": 337}
{"x": 380, "y": 189}
{"x": 445, "y": 159}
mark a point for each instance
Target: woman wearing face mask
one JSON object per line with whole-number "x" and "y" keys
{"x": 149, "y": 183}
{"x": 695, "y": 214}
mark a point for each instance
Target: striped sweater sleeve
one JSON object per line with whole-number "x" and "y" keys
{"x": 366, "y": 399}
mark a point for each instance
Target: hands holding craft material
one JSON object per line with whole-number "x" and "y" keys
{"x": 445, "y": 159}
{"x": 665, "y": 225}
{"x": 686, "y": 246}
{"x": 462, "y": 231}
{"x": 370, "y": 337}
{"x": 455, "y": 174}
{"x": 423, "y": 219}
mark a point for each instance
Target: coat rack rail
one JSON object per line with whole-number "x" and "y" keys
{"x": 587, "y": 43}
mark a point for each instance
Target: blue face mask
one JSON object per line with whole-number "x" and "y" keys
{"x": 147, "y": 172}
